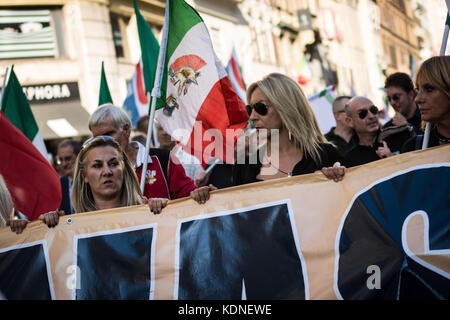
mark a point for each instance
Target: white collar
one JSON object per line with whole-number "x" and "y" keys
{"x": 140, "y": 156}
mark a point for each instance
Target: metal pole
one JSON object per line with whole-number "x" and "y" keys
{"x": 3, "y": 87}
{"x": 426, "y": 136}
{"x": 156, "y": 92}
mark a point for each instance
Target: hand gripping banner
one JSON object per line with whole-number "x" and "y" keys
{"x": 381, "y": 233}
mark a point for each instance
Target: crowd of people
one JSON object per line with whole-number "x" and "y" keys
{"x": 104, "y": 172}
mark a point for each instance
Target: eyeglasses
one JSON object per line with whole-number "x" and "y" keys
{"x": 60, "y": 160}
{"x": 363, "y": 113}
{"x": 260, "y": 107}
{"x": 87, "y": 142}
{"x": 395, "y": 97}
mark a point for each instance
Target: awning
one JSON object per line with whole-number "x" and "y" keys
{"x": 61, "y": 120}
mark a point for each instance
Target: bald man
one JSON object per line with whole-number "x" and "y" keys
{"x": 342, "y": 136}
{"x": 374, "y": 143}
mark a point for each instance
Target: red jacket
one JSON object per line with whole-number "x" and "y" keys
{"x": 170, "y": 182}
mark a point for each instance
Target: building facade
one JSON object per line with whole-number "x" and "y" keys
{"x": 57, "y": 46}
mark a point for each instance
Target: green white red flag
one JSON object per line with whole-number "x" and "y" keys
{"x": 149, "y": 49}
{"x": 33, "y": 183}
{"x": 17, "y": 108}
{"x": 198, "y": 106}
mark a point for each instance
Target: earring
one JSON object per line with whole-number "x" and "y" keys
{"x": 290, "y": 136}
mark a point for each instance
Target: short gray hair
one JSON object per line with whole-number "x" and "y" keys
{"x": 107, "y": 112}
{"x": 338, "y": 102}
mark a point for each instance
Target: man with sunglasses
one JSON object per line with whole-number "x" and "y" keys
{"x": 374, "y": 143}
{"x": 401, "y": 94}
{"x": 342, "y": 136}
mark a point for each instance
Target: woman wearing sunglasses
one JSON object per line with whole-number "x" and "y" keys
{"x": 433, "y": 99}
{"x": 279, "y": 110}
{"x": 104, "y": 179}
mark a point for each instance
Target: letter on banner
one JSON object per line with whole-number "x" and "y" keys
{"x": 217, "y": 254}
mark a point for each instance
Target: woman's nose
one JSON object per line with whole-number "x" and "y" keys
{"x": 106, "y": 170}
{"x": 419, "y": 98}
{"x": 253, "y": 115}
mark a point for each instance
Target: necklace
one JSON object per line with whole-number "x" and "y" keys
{"x": 441, "y": 138}
{"x": 289, "y": 174}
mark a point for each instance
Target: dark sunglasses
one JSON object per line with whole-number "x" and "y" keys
{"x": 260, "y": 108}
{"x": 363, "y": 113}
{"x": 395, "y": 97}
{"x": 87, "y": 142}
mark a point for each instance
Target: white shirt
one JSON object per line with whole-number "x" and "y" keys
{"x": 190, "y": 163}
{"x": 140, "y": 156}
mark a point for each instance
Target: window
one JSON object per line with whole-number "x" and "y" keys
{"x": 403, "y": 57}
{"x": 400, "y": 4}
{"x": 265, "y": 46}
{"x": 118, "y": 28}
{"x": 393, "y": 55}
{"x": 30, "y": 33}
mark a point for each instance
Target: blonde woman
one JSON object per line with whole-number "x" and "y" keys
{"x": 433, "y": 99}
{"x": 104, "y": 179}
{"x": 278, "y": 106}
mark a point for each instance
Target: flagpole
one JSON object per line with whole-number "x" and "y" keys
{"x": 426, "y": 136}
{"x": 3, "y": 87}
{"x": 156, "y": 92}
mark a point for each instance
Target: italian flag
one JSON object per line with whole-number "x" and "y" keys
{"x": 17, "y": 109}
{"x": 235, "y": 74}
{"x": 197, "y": 94}
{"x": 33, "y": 183}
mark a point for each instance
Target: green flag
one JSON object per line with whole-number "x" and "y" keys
{"x": 104, "y": 95}
{"x": 149, "y": 49}
{"x": 17, "y": 109}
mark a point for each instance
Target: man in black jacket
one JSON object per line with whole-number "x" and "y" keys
{"x": 374, "y": 143}
{"x": 342, "y": 136}
{"x": 401, "y": 94}
{"x": 66, "y": 156}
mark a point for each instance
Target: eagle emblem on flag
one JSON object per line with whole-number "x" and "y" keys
{"x": 183, "y": 72}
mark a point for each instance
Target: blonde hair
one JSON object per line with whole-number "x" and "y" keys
{"x": 295, "y": 112}
{"x": 82, "y": 197}
{"x": 6, "y": 204}
{"x": 436, "y": 72}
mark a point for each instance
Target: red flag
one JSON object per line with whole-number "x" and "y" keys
{"x": 33, "y": 183}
